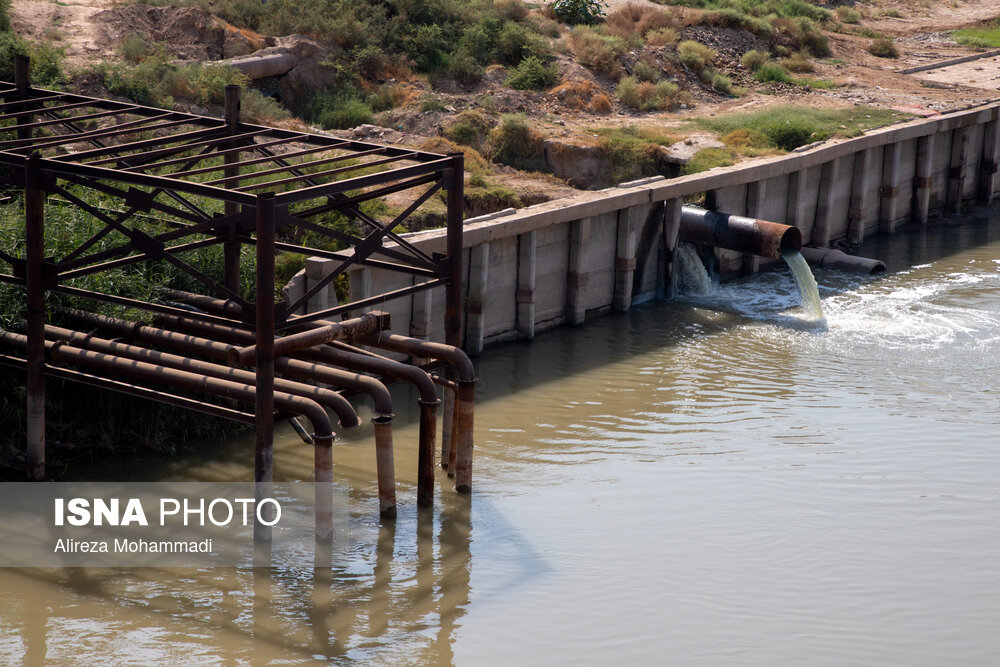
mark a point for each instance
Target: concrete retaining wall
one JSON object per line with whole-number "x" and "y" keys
{"x": 565, "y": 260}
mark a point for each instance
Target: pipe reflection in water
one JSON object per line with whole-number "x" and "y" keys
{"x": 396, "y": 583}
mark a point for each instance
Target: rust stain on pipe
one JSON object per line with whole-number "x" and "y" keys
{"x": 735, "y": 232}
{"x": 287, "y": 345}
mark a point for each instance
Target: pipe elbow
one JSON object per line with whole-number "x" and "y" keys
{"x": 308, "y": 408}
{"x": 454, "y": 356}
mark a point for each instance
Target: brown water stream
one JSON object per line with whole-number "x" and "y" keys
{"x": 711, "y": 480}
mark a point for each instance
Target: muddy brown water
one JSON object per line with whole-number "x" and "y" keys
{"x": 710, "y": 480}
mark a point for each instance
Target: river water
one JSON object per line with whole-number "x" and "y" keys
{"x": 711, "y": 480}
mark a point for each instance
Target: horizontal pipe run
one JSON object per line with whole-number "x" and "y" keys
{"x": 179, "y": 379}
{"x": 346, "y": 415}
{"x": 217, "y": 350}
{"x": 735, "y": 232}
{"x": 831, "y": 258}
{"x": 288, "y": 345}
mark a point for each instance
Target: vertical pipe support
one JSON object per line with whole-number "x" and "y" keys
{"x": 323, "y": 478}
{"x": 625, "y": 261}
{"x": 756, "y": 194}
{"x": 232, "y": 246}
{"x": 453, "y": 294}
{"x": 420, "y": 319}
{"x": 889, "y": 192}
{"x": 475, "y": 327}
{"x": 34, "y": 222}
{"x": 923, "y": 179}
{"x": 956, "y": 169}
{"x": 988, "y": 162}
{"x": 264, "y": 326}
{"x": 829, "y": 174}
{"x": 447, "y": 431}
{"x": 385, "y": 466}
{"x": 858, "y": 212}
{"x": 525, "y": 297}
{"x": 577, "y": 277}
{"x": 425, "y": 454}
{"x": 464, "y": 418}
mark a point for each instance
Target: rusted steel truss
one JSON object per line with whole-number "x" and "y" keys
{"x": 171, "y": 183}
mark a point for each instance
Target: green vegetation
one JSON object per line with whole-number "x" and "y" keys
{"x": 532, "y": 74}
{"x": 647, "y": 96}
{"x": 708, "y": 158}
{"x": 602, "y": 53}
{"x": 576, "y": 12}
{"x": 787, "y": 127}
{"x": 632, "y": 151}
{"x": 848, "y": 15}
{"x": 516, "y": 144}
{"x": 46, "y": 68}
{"x": 980, "y": 38}
{"x": 695, "y": 55}
{"x": 753, "y": 59}
{"x": 791, "y": 22}
{"x": 883, "y": 48}
{"x": 772, "y": 73}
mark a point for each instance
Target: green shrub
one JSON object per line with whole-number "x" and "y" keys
{"x": 599, "y": 52}
{"x": 708, "y": 158}
{"x": 661, "y": 37}
{"x": 579, "y": 12}
{"x": 722, "y": 83}
{"x": 134, "y": 48}
{"x": 737, "y": 20}
{"x": 883, "y": 48}
{"x": 517, "y": 144}
{"x": 466, "y": 69}
{"x": 646, "y": 96}
{"x": 772, "y": 73}
{"x": 470, "y": 128}
{"x": 695, "y": 55}
{"x": 645, "y": 72}
{"x": 46, "y": 68}
{"x": 532, "y": 74}
{"x": 345, "y": 115}
{"x": 848, "y": 15}
{"x": 798, "y": 62}
{"x": 5, "y": 15}
{"x": 430, "y": 103}
{"x": 753, "y": 59}
{"x": 256, "y": 107}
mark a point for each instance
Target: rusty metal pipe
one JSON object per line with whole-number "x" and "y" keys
{"x": 381, "y": 399}
{"x": 287, "y": 345}
{"x": 735, "y": 232}
{"x": 140, "y": 370}
{"x": 457, "y": 449}
{"x": 328, "y": 398}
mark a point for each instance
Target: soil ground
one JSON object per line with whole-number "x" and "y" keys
{"x": 920, "y": 28}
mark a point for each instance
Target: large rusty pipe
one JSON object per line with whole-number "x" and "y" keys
{"x": 735, "y": 232}
{"x": 463, "y": 413}
{"x": 382, "y": 401}
{"x": 140, "y": 370}
{"x": 328, "y": 398}
{"x": 355, "y": 360}
{"x": 287, "y": 345}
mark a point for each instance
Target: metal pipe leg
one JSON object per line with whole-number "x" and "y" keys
{"x": 386, "y": 468}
